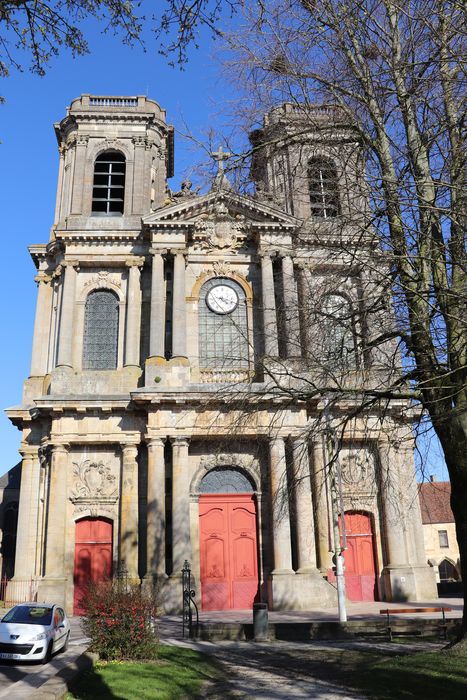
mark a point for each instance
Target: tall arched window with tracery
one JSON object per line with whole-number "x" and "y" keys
{"x": 323, "y": 186}
{"x": 223, "y": 326}
{"x": 337, "y": 330}
{"x": 100, "y": 342}
{"x": 108, "y": 192}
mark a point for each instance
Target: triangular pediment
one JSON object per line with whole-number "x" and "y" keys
{"x": 222, "y": 203}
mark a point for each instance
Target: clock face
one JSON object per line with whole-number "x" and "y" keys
{"x": 222, "y": 299}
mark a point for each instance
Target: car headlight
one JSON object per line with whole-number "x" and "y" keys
{"x": 42, "y": 635}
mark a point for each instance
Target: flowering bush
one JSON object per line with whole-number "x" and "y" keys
{"x": 120, "y": 621}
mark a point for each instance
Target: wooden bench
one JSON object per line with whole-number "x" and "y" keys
{"x": 400, "y": 611}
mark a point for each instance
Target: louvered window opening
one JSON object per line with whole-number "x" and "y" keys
{"x": 324, "y": 188}
{"x": 223, "y": 338}
{"x": 100, "y": 331}
{"x": 108, "y": 192}
{"x": 225, "y": 480}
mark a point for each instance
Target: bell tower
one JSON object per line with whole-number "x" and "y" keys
{"x": 306, "y": 160}
{"x": 115, "y": 156}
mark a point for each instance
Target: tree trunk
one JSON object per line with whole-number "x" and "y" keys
{"x": 453, "y": 439}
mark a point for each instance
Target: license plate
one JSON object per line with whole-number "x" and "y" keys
{"x": 10, "y": 656}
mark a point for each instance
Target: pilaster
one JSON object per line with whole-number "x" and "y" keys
{"x": 133, "y": 313}
{"x": 129, "y": 511}
{"x": 65, "y": 343}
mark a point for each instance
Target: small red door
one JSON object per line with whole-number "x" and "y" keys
{"x": 93, "y": 556}
{"x": 360, "y": 570}
{"x": 228, "y": 551}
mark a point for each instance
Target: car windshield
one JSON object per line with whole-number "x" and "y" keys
{"x": 29, "y": 615}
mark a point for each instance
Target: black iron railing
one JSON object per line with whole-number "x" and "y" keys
{"x": 188, "y": 600}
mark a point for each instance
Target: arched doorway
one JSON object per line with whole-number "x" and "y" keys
{"x": 228, "y": 541}
{"x": 360, "y": 569}
{"x": 93, "y": 556}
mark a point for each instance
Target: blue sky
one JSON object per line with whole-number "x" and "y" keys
{"x": 196, "y": 97}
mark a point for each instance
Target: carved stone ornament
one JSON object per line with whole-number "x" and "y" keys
{"x": 103, "y": 279}
{"x": 357, "y": 468}
{"x": 94, "y": 482}
{"x": 218, "y": 229}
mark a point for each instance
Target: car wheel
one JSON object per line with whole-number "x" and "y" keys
{"x": 48, "y": 654}
{"x": 65, "y": 646}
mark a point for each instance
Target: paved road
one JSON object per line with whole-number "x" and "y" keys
{"x": 18, "y": 680}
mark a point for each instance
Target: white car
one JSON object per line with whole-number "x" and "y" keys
{"x": 33, "y": 632}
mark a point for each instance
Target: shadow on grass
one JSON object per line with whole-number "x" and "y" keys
{"x": 176, "y": 673}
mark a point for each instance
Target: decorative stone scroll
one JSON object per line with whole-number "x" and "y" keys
{"x": 95, "y": 486}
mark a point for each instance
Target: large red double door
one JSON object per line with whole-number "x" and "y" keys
{"x": 228, "y": 551}
{"x": 359, "y": 557}
{"x": 93, "y": 556}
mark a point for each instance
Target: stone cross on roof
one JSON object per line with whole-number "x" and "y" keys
{"x": 220, "y": 156}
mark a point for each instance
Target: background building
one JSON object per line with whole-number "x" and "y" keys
{"x": 439, "y": 532}
{"x": 152, "y": 431}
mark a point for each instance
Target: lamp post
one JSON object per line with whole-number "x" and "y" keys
{"x": 335, "y": 482}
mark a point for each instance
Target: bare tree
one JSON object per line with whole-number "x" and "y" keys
{"x": 396, "y": 72}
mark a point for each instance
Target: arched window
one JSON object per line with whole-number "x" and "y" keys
{"x": 223, "y": 328}
{"x": 324, "y": 188}
{"x": 100, "y": 330}
{"x": 108, "y": 192}
{"x": 226, "y": 480}
{"x": 337, "y": 331}
{"x": 447, "y": 571}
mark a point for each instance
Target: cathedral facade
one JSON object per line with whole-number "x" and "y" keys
{"x": 172, "y": 410}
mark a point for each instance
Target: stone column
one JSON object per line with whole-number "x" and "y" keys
{"x": 26, "y": 540}
{"x": 41, "y": 326}
{"x": 321, "y": 504}
{"x": 157, "y": 322}
{"x": 129, "y": 511}
{"x": 133, "y": 313}
{"x": 271, "y": 347}
{"x": 304, "y": 508}
{"x": 393, "y": 507}
{"x": 56, "y": 513}
{"x": 156, "y": 508}
{"x": 179, "y": 306}
{"x": 181, "y": 545}
{"x": 280, "y": 508}
{"x": 65, "y": 342}
{"x": 77, "y": 177}
{"x": 291, "y": 309}
{"x": 138, "y": 174}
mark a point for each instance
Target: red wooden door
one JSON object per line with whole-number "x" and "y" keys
{"x": 93, "y": 556}
{"x": 360, "y": 570}
{"x": 228, "y": 551}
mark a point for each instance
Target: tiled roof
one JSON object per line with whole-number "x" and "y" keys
{"x": 434, "y": 502}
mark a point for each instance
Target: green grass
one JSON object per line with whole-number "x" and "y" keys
{"x": 428, "y": 675}
{"x": 177, "y": 673}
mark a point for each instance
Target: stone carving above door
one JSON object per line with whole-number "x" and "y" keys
{"x": 358, "y": 469}
{"x": 93, "y": 482}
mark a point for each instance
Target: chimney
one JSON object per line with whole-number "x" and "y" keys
{"x": 433, "y": 478}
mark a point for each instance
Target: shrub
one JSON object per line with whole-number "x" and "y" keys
{"x": 120, "y": 621}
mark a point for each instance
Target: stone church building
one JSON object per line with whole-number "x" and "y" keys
{"x": 165, "y": 418}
